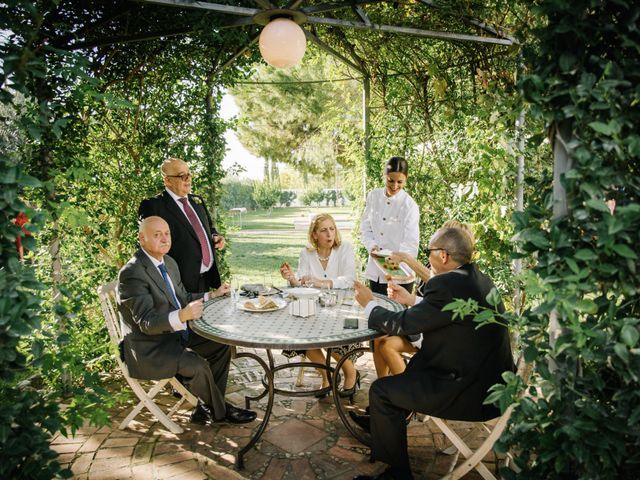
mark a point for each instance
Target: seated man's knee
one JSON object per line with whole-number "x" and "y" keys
{"x": 191, "y": 363}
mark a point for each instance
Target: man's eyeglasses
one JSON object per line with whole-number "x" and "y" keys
{"x": 182, "y": 176}
{"x": 429, "y": 250}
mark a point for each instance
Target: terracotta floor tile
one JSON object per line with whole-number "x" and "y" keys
{"x": 294, "y": 436}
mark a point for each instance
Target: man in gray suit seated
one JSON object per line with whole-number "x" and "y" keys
{"x": 155, "y": 308}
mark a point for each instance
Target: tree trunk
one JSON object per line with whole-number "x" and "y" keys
{"x": 562, "y": 162}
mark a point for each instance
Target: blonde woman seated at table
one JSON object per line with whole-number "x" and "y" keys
{"x": 388, "y": 350}
{"x": 327, "y": 262}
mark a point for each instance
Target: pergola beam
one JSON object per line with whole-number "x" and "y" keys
{"x": 238, "y": 53}
{"x": 333, "y": 52}
{"x": 327, "y": 7}
{"x": 475, "y": 21}
{"x": 363, "y": 25}
{"x": 462, "y": 37}
{"x": 212, "y": 7}
{"x": 363, "y": 16}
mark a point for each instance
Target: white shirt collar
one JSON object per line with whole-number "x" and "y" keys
{"x": 397, "y": 196}
{"x": 154, "y": 260}
{"x": 174, "y": 196}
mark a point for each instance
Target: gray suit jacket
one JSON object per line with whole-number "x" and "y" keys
{"x": 151, "y": 348}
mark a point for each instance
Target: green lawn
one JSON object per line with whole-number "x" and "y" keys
{"x": 279, "y": 218}
{"x": 260, "y": 251}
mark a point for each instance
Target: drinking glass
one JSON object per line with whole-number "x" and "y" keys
{"x": 268, "y": 283}
{"x": 235, "y": 288}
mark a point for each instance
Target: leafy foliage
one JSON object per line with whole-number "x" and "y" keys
{"x": 266, "y": 195}
{"x": 581, "y": 415}
{"x": 92, "y": 126}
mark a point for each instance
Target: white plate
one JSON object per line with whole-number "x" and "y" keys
{"x": 278, "y": 301}
{"x": 301, "y": 292}
{"x": 383, "y": 252}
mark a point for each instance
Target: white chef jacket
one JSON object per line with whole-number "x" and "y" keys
{"x": 341, "y": 268}
{"x": 391, "y": 223}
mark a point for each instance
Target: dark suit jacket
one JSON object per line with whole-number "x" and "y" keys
{"x": 151, "y": 348}
{"x": 185, "y": 246}
{"x": 460, "y": 362}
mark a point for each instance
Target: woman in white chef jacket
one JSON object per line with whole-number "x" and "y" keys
{"x": 391, "y": 222}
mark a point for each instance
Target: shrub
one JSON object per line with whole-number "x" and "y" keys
{"x": 287, "y": 197}
{"x": 237, "y": 194}
{"x": 266, "y": 194}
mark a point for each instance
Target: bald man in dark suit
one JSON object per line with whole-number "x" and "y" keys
{"x": 451, "y": 374}
{"x": 194, "y": 239}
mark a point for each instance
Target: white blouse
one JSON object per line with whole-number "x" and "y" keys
{"x": 341, "y": 268}
{"x": 391, "y": 223}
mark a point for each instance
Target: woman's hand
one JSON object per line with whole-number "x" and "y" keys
{"x": 287, "y": 273}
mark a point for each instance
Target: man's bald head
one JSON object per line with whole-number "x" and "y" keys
{"x": 456, "y": 242}
{"x": 155, "y": 237}
{"x": 176, "y": 176}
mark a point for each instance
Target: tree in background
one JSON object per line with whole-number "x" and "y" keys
{"x": 266, "y": 194}
{"x": 286, "y": 116}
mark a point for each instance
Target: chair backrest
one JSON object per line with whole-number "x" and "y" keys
{"x": 107, "y": 295}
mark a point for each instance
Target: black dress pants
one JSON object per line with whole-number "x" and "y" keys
{"x": 204, "y": 367}
{"x": 390, "y": 401}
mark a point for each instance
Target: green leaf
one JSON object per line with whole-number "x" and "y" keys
{"x": 621, "y": 351}
{"x": 624, "y": 251}
{"x": 530, "y": 354}
{"x": 587, "y": 306}
{"x": 630, "y": 335}
{"x": 29, "y": 181}
{"x": 572, "y": 265}
{"x": 602, "y": 128}
{"x": 597, "y": 204}
{"x": 584, "y": 254}
{"x": 494, "y": 298}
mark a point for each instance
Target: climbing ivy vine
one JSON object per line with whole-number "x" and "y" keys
{"x": 580, "y": 417}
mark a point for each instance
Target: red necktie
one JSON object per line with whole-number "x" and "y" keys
{"x": 195, "y": 223}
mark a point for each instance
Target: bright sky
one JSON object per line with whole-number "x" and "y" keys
{"x": 236, "y": 153}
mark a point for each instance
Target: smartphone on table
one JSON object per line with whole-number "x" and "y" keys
{"x": 351, "y": 322}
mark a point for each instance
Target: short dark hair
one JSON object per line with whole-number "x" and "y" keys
{"x": 396, "y": 164}
{"x": 456, "y": 242}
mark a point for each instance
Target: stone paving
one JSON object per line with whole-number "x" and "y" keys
{"x": 304, "y": 440}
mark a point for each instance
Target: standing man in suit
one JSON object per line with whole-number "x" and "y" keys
{"x": 155, "y": 309}
{"x": 451, "y": 374}
{"x": 194, "y": 239}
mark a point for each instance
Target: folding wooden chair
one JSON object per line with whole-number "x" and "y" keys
{"x": 473, "y": 459}
{"x": 107, "y": 295}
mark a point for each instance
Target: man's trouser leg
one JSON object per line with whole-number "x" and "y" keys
{"x": 390, "y": 401}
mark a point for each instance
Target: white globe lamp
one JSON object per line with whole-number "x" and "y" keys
{"x": 282, "y": 43}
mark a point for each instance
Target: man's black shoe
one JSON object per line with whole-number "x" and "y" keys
{"x": 201, "y": 415}
{"x": 388, "y": 474}
{"x": 363, "y": 421}
{"x": 237, "y": 415}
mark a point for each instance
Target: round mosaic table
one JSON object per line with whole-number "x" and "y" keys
{"x": 224, "y": 322}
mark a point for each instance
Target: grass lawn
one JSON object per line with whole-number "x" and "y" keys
{"x": 260, "y": 251}
{"x": 279, "y": 218}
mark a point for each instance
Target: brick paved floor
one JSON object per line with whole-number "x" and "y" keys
{"x": 305, "y": 439}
